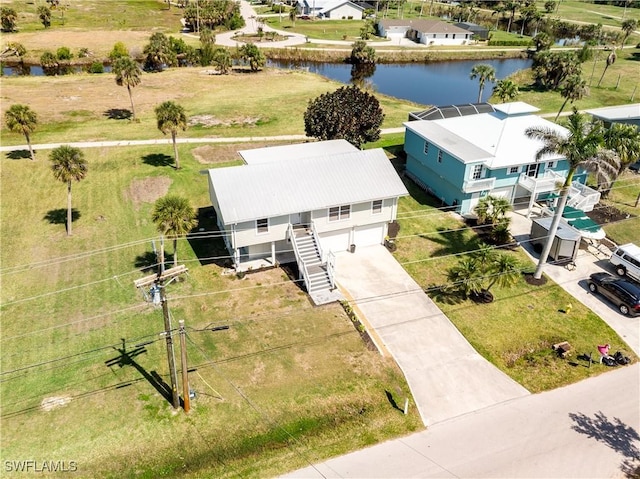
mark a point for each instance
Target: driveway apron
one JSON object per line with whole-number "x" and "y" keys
{"x": 446, "y": 375}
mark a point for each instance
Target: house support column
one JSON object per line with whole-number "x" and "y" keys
{"x": 273, "y": 252}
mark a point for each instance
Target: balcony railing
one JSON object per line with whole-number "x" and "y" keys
{"x": 473, "y": 186}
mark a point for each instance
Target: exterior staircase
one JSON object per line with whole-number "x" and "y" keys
{"x": 316, "y": 273}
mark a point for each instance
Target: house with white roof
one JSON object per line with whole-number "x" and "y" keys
{"x": 331, "y": 9}
{"x": 466, "y": 152}
{"x": 304, "y": 203}
{"x": 427, "y": 32}
{"x": 629, "y": 114}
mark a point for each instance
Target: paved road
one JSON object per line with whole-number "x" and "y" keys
{"x": 586, "y": 430}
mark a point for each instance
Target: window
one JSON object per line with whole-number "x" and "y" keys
{"x": 262, "y": 225}
{"x": 426, "y": 148}
{"x": 453, "y": 36}
{"x": 446, "y": 35}
{"x": 338, "y": 213}
{"x": 513, "y": 170}
{"x": 376, "y": 207}
{"x": 439, "y": 156}
{"x": 477, "y": 172}
{"x": 550, "y": 164}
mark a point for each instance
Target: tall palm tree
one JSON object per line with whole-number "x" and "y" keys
{"x": 174, "y": 216}
{"x": 128, "y": 74}
{"x": 506, "y": 90}
{"x": 611, "y": 59}
{"x": 628, "y": 26}
{"x": 582, "y": 148}
{"x": 625, "y": 141}
{"x": 22, "y": 119}
{"x": 171, "y": 118}
{"x": 575, "y": 88}
{"x": 483, "y": 73}
{"x": 68, "y": 164}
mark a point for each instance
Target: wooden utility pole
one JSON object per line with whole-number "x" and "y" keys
{"x": 159, "y": 281}
{"x": 185, "y": 376}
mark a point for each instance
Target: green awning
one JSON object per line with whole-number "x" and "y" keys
{"x": 573, "y": 213}
{"x": 585, "y": 224}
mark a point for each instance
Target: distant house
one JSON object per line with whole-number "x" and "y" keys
{"x": 427, "y": 32}
{"x": 477, "y": 30}
{"x": 466, "y": 152}
{"x": 303, "y": 203}
{"x": 629, "y": 114}
{"x": 331, "y": 9}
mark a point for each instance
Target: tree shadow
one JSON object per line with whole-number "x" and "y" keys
{"x": 118, "y": 114}
{"x": 146, "y": 262}
{"x": 19, "y": 155}
{"x": 207, "y": 243}
{"x": 453, "y": 242}
{"x": 615, "y": 434}
{"x": 158, "y": 159}
{"x": 59, "y": 216}
{"x": 125, "y": 358}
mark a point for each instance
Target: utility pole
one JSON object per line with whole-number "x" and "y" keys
{"x": 159, "y": 282}
{"x": 185, "y": 376}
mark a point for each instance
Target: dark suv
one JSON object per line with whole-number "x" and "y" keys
{"x": 624, "y": 294}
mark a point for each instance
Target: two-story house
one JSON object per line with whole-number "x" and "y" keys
{"x": 304, "y": 202}
{"x": 465, "y": 152}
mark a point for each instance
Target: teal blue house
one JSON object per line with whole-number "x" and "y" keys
{"x": 462, "y": 153}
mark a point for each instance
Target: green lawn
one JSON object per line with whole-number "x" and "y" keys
{"x": 288, "y": 383}
{"x": 623, "y": 196}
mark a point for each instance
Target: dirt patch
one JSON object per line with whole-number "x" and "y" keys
{"x": 226, "y": 153}
{"x": 528, "y": 277}
{"x": 148, "y": 190}
{"x": 208, "y": 121}
{"x": 604, "y": 214}
{"x": 54, "y": 402}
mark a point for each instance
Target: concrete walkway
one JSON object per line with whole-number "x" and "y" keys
{"x": 575, "y": 282}
{"x": 446, "y": 375}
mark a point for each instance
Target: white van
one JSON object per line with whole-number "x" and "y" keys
{"x": 626, "y": 259}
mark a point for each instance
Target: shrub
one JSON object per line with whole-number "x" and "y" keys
{"x": 525, "y": 42}
{"x": 63, "y": 53}
{"x": 84, "y": 52}
{"x": 96, "y": 67}
{"x": 119, "y": 50}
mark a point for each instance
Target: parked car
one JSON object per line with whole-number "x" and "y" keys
{"x": 624, "y": 294}
{"x": 626, "y": 260}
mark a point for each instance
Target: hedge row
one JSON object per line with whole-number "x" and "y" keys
{"x": 509, "y": 43}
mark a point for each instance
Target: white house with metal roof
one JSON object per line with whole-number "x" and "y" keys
{"x": 331, "y": 9}
{"x": 304, "y": 201}
{"x": 629, "y": 114}
{"x": 469, "y": 153}
{"x": 427, "y": 32}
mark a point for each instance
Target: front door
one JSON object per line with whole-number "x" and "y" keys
{"x": 295, "y": 218}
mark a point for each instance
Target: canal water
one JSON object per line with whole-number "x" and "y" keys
{"x": 440, "y": 83}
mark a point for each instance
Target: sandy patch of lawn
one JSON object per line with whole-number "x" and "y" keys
{"x": 148, "y": 190}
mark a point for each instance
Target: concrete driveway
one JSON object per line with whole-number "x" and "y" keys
{"x": 446, "y": 375}
{"x": 575, "y": 283}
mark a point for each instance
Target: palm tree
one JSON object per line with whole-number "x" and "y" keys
{"x": 171, "y": 118}
{"x": 505, "y": 271}
{"x": 625, "y": 141}
{"x": 611, "y": 59}
{"x": 506, "y": 90}
{"x": 128, "y": 74}
{"x": 575, "y": 88}
{"x": 466, "y": 276}
{"x": 628, "y": 26}
{"x": 68, "y": 164}
{"x": 581, "y": 148}
{"x": 483, "y": 72}
{"x": 22, "y": 119}
{"x": 174, "y": 216}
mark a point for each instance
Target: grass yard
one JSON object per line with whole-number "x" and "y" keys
{"x": 236, "y": 105}
{"x": 623, "y": 196}
{"x": 286, "y": 385}
{"x": 619, "y": 85}
{"x": 579, "y": 10}
{"x": 321, "y": 29}
{"x": 517, "y": 330}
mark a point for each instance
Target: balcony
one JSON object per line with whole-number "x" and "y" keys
{"x": 473, "y": 186}
{"x": 544, "y": 183}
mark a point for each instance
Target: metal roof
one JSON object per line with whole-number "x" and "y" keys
{"x": 498, "y": 141}
{"x": 275, "y": 188}
{"x": 425, "y": 26}
{"x": 298, "y": 150}
{"x": 620, "y": 112}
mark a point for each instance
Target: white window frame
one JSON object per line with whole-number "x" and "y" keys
{"x": 376, "y": 207}
{"x": 514, "y": 170}
{"x": 439, "y": 156}
{"x": 265, "y": 228}
{"x": 343, "y": 213}
{"x": 476, "y": 173}
{"x": 551, "y": 164}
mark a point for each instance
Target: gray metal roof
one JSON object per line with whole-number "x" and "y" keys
{"x": 619, "y": 112}
{"x": 294, "y": 152}
{"x": 264, "y": 190}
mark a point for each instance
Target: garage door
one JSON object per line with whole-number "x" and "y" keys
{"x": 503, "y": 192}
{"x": 369, "y": 235}
{"x": 335, "y": 241}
